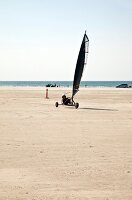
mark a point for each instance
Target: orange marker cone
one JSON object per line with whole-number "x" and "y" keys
{"x": 46, "y": 96}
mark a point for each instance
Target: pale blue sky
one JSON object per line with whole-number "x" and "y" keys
{"x": 40, "y": 39}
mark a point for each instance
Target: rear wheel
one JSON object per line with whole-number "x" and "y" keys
{"x": 76, "y": 105}
{"x": 56, "y": 104}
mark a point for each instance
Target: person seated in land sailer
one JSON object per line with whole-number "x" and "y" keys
{"x": 66, "y": 100}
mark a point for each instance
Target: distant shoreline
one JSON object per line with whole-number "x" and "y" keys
{"x": 64, "y": 84}
{"x": 43, "y": 88}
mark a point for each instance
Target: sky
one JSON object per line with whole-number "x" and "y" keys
{"x": 40, "y": 39}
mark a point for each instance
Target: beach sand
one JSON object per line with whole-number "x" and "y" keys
{"x": 49, "y": 153}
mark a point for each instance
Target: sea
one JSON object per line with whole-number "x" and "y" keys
{"x": 64, "y": 83}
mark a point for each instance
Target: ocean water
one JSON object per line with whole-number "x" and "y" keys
{"x": 64, "y": 83}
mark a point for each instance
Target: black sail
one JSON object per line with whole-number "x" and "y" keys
{"x": 81, "y": 61}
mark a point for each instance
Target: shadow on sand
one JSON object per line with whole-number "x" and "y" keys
{"x": 102, "y": 109}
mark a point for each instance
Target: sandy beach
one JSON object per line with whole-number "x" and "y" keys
{"x": 49, "y": 153}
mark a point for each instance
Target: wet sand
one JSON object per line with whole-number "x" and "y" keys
{"x": 49, "y": 153}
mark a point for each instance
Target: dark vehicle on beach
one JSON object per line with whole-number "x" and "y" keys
{"x": 124, "y": 85}
{"x": 81, "y": 62}
{"x": 51, "y": 85}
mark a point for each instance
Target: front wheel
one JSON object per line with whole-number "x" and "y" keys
{"x": 76, "y": 105}
{"x": 56, "y": 104}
